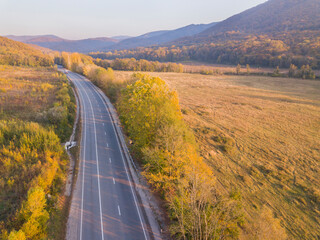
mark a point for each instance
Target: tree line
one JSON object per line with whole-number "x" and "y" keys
{"x": 131, "y": 64}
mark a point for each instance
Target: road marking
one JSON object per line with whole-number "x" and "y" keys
{"x": 110, "y": 160}
{"x": 97, "y": 159}
{"x": 113, "y": 181}
{"x": 105, "y": 133}
{"x": 107, "y": 144}
{"x": 119, "y": 210}
{"x": 103, "y": 124}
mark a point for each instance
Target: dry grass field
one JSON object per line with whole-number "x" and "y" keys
{"x": 26, "y": 91}
{"x": 260, "y": 135}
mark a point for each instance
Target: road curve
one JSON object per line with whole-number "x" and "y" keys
{"x": 104, "y": 203}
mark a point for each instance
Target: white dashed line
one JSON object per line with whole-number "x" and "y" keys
{"x": 109, "y": 159}
{"x": 97, "y": 161}
{"x": 114, "y": 182}
{"x": 119, "y": 210}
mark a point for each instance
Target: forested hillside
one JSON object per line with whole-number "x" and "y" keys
{"x": 271, "y": 17}
{"x": 19, "y": 54}
{"x": 235, "y": 48}
{"x": 276, "y": 33}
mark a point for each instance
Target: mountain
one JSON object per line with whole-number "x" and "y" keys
{"x": 30, "y": 37}
{"x": 59, "y": 44}
{"x": 161, "y": 37}
{"x": 120, "y": 38}
{"x": 20, "y": 54}
{"x": 271, "y": 17}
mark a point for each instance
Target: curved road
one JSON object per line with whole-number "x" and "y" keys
{"x": 104, "y": 203}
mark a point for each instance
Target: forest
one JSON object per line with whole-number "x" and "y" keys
{"x": 236, "y": 48}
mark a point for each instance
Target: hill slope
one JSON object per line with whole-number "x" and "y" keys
{"x": 20, "y": 54}
{"x": 271, "y": 17}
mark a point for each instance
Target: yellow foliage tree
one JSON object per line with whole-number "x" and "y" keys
{"x": 14, "y": 235}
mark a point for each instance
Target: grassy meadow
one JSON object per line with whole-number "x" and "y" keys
{"x": 260, "y": 135}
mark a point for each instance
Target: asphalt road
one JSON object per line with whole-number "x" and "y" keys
{"x": 104, "y": 203}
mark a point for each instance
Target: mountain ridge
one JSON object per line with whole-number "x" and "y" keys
{"x": 60, "y": 44}
{"x": 56, "y": 43}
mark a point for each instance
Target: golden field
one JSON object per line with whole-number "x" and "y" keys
{"x": 260, "y": 135}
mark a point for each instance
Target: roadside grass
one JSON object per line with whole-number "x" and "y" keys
{"x": 260, "y": 135}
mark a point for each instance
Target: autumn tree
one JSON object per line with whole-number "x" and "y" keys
{"x": 248, "y": 69}
{"x": 238, "y": 69}
{"x": 34, "y": 215}
{"x": 276, "y": 72}
{"x": 292, "y": 70}
{"x": 14, "y": 235}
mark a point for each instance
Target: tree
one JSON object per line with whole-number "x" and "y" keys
{"x": 276, "y": 72}
{"x": 14, "y": 235}
{"x": 34, "y": 215}
{"x": 238, "y": 69}
{"x": 292, "y": 70}
{"x": 248, "y": 69}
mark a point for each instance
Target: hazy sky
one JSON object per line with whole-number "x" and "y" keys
{"x": 75, "y": 19}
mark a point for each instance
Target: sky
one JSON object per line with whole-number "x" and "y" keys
{"x": 78, "y": 19}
